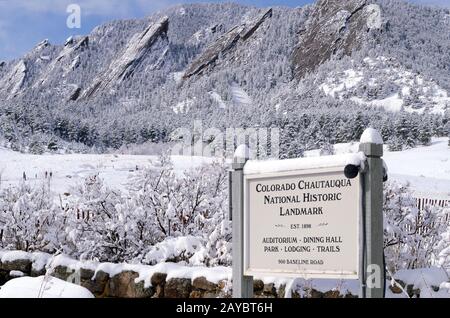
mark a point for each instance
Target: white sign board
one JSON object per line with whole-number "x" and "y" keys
{"x": 302, "y": 224}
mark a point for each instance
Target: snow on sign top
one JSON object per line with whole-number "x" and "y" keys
{"x": 371, "y": 136}
{"x": 276, "y": 166}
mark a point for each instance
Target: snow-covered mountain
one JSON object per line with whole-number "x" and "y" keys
{"x": 385, "y": 61}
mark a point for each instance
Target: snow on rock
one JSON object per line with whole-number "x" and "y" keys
{"x": 40, "y": 260}
{"x": 16, "y": 274}
{"x": 6, "y": 256}
{"x": 173, "y": 270}
{"x": 124, "y": 65}
{"x": 69, "y": 41}
{"x": 70, "y": 263}
{"x": 212, "y": 274}
{"x": 425, "y": 279}
{"x": 42, "y": 287}
{"x": 304, "y": 287}
{"x": 75, "y": 63}
{"x": 69, "y": 49}
{"x": 173, "y": 247}
{"x": 145, "y": 272}
{"x": 276, "y": 166}
{"x": 64, "y": 61}
{"x": 178, "y": 77}
{"x": 13, "y": 82}
{"x": 421, "y": 278}
{"x": 371, "y": 136}
{"x": 42, "y": 45}
{"x": 44, "y": 58}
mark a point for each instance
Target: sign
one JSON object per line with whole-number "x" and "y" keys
{"x": 302, "y": 224}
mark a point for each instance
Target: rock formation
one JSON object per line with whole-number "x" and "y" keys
{"x": 14, "y": 80}
{"x": 335, "y": 27}
{"x": 224, "y": 44}
{"x": 124, "y": 65}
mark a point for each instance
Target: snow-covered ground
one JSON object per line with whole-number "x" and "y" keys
{"x": 427, "y": 169}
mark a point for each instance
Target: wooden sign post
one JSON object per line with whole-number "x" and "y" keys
{"x": 309, "y": 218}
{"x": 242, "y": 285}
{"x": 373, "y": 280}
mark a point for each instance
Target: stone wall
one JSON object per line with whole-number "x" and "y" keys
{"x": 128, "y": 283}
{"x": 122, "y": 285}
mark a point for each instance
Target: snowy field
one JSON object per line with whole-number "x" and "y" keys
{"x": 68, "y": 170}
{"x": 427, "y": 169}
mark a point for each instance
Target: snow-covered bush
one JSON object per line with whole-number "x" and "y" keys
{"x": 193, "y": 203}
{"x": 101, "y": 227}
{"x": 159, "y": 205}
{"x": 27, "y": 218}
{"x": 410, "y": 234}
{"x": 443, "y": 245}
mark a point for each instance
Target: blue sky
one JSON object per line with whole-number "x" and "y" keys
{"x": 24, "y": 23}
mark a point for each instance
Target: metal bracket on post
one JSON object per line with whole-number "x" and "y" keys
{"x": 242, "y": 285}
{"x": 374, "y": 279}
